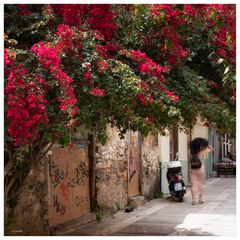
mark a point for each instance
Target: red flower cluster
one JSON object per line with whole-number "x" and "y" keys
{"x": 98, "y": 92}
{"x": 9, "y": 57}
{"x": 108, "y": 50}
{"x": 49, "y": 59}
{"x": 101, "y": 19}
{"x": 87, "y": 75}
{"x": 68, "y": 101}
{"x": 26, "y": 106}
{"x": 148, "y": 66}
{"x": 143, "y": 99}
{"x": 97, "y": 16}
{"x": 23, "y": 9}
{"x": 65, "y": 33}
{"x": 221, "y": 19}
{"x": 172, "y": 50}
{"x": 189, "y": 10}
{"x": 221, "y": 52}
{"x": 102, "y": 66}
{"x": 69, "y": 41}
{"x": 150, "y": 120}
{"x": 113, "y": 48}
{"x": 173, "y": 97}
{"x": 221, "y": 22}
{"x": 102, "y": 51}
{"x": 170, "y": 13}
{"x": 47, "y": 56}
{"x": 226, "y": 44}
{"x": 171, "y": 47}
{"x": 71, "y": 13}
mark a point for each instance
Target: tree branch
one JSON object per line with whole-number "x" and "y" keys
{"x": 46, "y": 151}
{"x": 8, "y": 167}
{"x": 8, "y": 187}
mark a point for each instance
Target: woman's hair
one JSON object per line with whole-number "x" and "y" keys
{"x": 197, "y": 145}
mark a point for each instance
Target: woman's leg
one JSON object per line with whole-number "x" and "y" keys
{"x": 194, "y": 191}
{"x": 201, "y": 193}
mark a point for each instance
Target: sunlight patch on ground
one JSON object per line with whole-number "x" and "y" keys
{"x": 214, "y": 224}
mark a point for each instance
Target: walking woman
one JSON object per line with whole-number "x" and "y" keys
{"x": 199, "y": 147}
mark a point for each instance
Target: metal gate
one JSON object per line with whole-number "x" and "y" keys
{"x": 68, "y": 184}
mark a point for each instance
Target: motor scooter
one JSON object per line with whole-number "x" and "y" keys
{"x": 175, "y": 179}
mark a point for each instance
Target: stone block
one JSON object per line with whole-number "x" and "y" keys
{"x": 137, "y": 201}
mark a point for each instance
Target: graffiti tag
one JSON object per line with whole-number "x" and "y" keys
{"x": 80, "y": 174}
{"x": 80, "y": 200}
{"x": 133, "y": 163}
{"x": 58, "y": 206}
{"x": 56, "y": 175}
{"x": 64, "y": 190}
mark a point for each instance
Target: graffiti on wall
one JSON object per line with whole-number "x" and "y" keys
{"x": 68, "y": 185}
{"x": 133, "y": 157}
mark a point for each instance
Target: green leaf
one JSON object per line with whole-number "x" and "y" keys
{"x": 226, "y": 70}
{"x": 220, "y": 60}
{"x": 25, "y": 148}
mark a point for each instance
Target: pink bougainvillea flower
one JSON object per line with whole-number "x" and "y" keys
{"x": 98, "y": 92}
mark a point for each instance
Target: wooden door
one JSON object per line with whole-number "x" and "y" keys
{"x": 133, "y": 165}
{"x": 68, "y": 184}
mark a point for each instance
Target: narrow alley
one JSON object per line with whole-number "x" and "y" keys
{"x": 109, "y": 107}
{"x": 162, "y": 217}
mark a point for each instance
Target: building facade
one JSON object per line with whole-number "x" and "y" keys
{"x": 109, "y": 174}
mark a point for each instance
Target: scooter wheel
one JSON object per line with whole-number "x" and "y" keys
{"x": 180, "y": 197}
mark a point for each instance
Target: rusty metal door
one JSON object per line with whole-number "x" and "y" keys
{"x": 133, "y": 165}
{"x": 68, "y": 183}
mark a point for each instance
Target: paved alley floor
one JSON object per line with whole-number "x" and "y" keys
{"x": 162, "y": 217}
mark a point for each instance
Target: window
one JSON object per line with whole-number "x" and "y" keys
{"x": 226, "y": 145}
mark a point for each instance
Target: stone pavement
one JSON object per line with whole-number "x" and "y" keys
{"x": 162, "y": 217}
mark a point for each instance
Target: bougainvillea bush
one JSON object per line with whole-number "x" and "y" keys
{"x": 139, "y": 67}
{"x": 198, "y": 44}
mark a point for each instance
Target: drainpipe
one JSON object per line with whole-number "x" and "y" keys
{"x": 189, "y": 153}
{"x": 140, "y": 162}
{"x": 160, "y": 162}
{"x": 160, "y": 173}
{"x": 92, "y": 166}
{"x": 128, "y": 159}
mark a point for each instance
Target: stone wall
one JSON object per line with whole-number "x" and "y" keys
{"x": 30, "y": 214}
{"x": 150, "y": 180}
{"x": 111, "y": 171}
